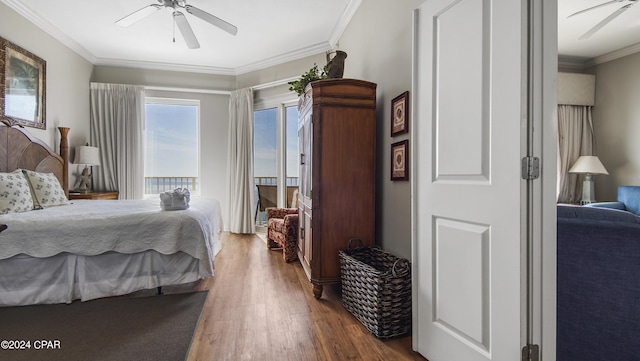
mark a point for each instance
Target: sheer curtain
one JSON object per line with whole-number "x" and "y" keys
{"x": 117, "y": 129}
{"x": 240, "y": 163}
{"x": 575, "y": 138}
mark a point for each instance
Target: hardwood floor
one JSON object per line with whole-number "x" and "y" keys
{"x": 260, "y": 308}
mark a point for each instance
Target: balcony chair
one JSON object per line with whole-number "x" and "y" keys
{"x": 267, "y": 197}
{"x": 282, "y": 229}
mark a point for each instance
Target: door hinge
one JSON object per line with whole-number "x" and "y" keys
{"x": 530, "y": 168}
{"x": 531, "y": 353}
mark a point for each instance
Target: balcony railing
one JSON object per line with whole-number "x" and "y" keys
{"x": 271, "y": 181}
{"x": 157, "y": 185}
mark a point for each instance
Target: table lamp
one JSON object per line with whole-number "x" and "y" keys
{"x": 589, "y": 165}
{"x": 88, "y": 156}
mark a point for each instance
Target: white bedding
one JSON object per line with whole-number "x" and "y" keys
{"x": 93, "y": 249}
{"x": 92, "y": 227}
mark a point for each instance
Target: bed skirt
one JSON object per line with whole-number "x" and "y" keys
{"x": 26, "y": 280}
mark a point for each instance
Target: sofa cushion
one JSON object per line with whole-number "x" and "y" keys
{"x": 630, "y": 196}
{"x": 614, "y": 205}
{"x": 597, "y": 214}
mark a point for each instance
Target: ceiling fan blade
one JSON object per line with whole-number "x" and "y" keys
{"x": 595, "y": 7}
{"x": 185, "y": 30}
{"x": 213, "y": 20}
{"x": 138, "y": 15}
{"x": 605, "y": 21}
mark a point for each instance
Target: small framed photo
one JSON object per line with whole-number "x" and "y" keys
{"x": 23, "y": 84}
{"x": 400, "y": 160}
{"x": 400, "y": 114}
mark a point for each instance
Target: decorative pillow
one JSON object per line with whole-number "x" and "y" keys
{"x": 46, "y": 189}
{"x": 15, "y": 196}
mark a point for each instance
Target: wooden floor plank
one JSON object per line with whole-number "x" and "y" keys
{"x": 261, "y": 308}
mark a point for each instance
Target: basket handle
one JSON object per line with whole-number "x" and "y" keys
{"x": 393, "y": 268}
{"x": 354, "y": 239}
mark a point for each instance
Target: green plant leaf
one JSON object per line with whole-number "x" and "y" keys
{"x": 312, "y": 75}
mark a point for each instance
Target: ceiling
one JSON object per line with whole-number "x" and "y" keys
{"x": 620, "y": 36}
{"x": 270, "y": 32}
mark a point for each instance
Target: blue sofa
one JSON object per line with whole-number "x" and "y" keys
{"x": 598, "y": 283}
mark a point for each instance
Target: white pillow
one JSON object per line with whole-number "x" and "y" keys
{"x": 46, "y": 189}
{"x": 15, "y": 195}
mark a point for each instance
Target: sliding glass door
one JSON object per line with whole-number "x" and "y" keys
{"x": 275, "y": 157}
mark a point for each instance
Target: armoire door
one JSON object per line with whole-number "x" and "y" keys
{"x": 305, "y": 143}
{"x": 467, "y": 145}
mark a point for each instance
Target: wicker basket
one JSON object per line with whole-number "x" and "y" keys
{"x": 376, "y": 289}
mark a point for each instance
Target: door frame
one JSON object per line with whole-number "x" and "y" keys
{"x": 544, "y": 104}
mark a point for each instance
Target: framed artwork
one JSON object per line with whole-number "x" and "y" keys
{"x": 400, "y": 160}
{"x": 400, "y": 114}
{"x": 22, "y": 85}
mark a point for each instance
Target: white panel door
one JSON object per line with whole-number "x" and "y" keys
{"x": 468, "y": 132}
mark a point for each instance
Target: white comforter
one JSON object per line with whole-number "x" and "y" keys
{"x": 92, "y": 227}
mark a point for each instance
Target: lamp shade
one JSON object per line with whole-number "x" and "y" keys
{"x": 588, "y": 164}
{"x": 87, "y": 155}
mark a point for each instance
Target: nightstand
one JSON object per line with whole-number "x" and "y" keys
{"x": 93, "y": 195}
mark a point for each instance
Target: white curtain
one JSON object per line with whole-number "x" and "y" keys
{"x": 240, "y": 163}
{"x": 117, "y": 129}
{"x": 575, "y": 138}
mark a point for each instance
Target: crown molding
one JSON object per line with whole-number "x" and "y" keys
{"x": 344, "y": 21}
{"x": 153, "y": 65}
{"x": 283, "y": 58}
{"x": 629, "y": 50}
{"x": 48, "y": 28}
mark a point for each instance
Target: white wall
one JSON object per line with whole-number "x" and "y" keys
{"x": 68, "y": 79}
{"x": 169, "y": 78}
{"x": 616, "y": 122}
{"x": 67, "y": 93}
{"x": 378, "y": 41}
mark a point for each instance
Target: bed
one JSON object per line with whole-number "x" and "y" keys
{"x": 87, "y": 249}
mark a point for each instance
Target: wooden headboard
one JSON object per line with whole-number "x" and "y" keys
{"x": 19, "y": 149}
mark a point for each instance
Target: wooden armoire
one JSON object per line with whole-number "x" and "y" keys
{"x": 337, "y": 135}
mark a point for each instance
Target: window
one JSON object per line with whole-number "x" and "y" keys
{"x": 171, "y": 145}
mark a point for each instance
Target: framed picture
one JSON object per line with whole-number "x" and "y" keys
{"x": 22, "y": 85}
{"x": 400, "y": 114}
{"x": 400, "y": 160}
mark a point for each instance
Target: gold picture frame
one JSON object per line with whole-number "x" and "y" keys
{"x": 400, "y": 114}
{"x": 23, "y": 77}
{"x": 400, "y": 160}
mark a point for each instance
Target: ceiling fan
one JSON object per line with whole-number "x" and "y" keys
{"x": 606, "y": 20}
{"x": 179, "y": 19}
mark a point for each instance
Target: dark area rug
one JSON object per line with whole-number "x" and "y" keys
{"x": 145, "y": 328}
